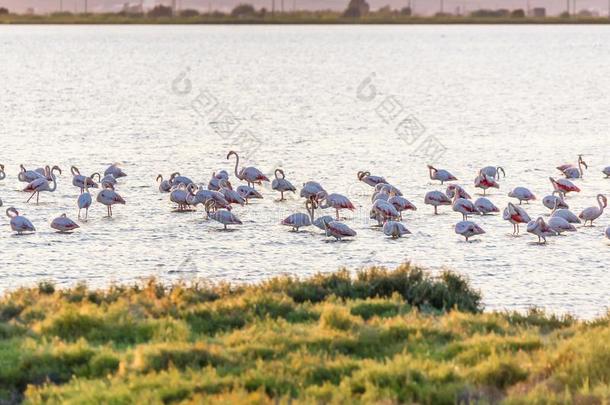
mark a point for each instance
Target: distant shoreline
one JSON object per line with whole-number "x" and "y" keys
{"x": 113, "y": 19}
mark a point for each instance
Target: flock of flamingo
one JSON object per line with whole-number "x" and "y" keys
{"x": 388, "y": 203}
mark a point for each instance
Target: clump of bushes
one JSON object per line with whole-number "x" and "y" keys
{"x": 375, "y": 336}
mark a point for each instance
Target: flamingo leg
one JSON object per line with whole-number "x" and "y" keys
{"x": 37, "y": 197}
{"x": 86, "y": 213}
{"x": 282, "y": 196}
{"x": 435, "y": 210}
{"x": 31, "y": 197}
{"x": 337, "y": 210}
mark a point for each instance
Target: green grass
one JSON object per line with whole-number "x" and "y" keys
{"x": 378, "y": 336}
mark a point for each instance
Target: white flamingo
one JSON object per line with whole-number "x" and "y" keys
{"x": 468, "y": 229}
{"x": 63, "y": 224}
{"x": 522, "y": 194}
{"x": 115, "y": 171}
{"x": 250, "y": 174}
{"x": 369, "y": 179}
{"x": 164, "y": 185}
{"x": 395, "y": 229}
{"x": 300, "y": 220}
{"x": 311, "y": 189}
{"x": 485, "y": 206}
{"x": 42, "y": 184}
{"x": 440, "y": 174}
{"x": 564, "y": 186}
{"x": 336, "y": 201}
{"x": 463, "y": 206}
{"x": 79, "y": 181}
{"x": 436, "y": 199}
{"x": 559, "y": 225}
{"x": 540, "y": 228}
{"x": 248, "y": 193}
{"x": 222, "y": 216}
{"x": 19, "y": 223}
{"x": 84, "y": 202}
{"x": 515, "y": 215}
{"x": 493, "y": 172}
{"x": 401, "y": 204}
{"x": 28, "y": 176}
{"x": 339, "y": 230}
{"x": 281, "y": 184}
{"x": 109, "y": 197}
{"x": 592, "y": 213}
{"x": 485, "y": 182}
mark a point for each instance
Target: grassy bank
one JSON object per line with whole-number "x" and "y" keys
{"x": 380, "y": 337}
{"x": 309, "y": 18}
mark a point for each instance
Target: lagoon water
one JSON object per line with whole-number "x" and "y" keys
{"x": 322, "y": 102}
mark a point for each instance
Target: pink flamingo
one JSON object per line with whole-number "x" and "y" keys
{"x": 564, "y": 186}
{"x": 395, "y": 229}
{"x": 484, "y": 206}
{"x": 63, "y": 224}
{"x": 436, "y": 198}
{"x": 592, "y": 213}
{"x": 515, "y": 215}
{"x": 42, "y": 184}
{"x": 336, "y": 201}
{"x": 463, "y": 206}
{"x": 371, "y": 180}
{"x": 485, "y": 182}
{"x": 338, "y": 230}
{"x": 468, "y": 229}
{"x": 281, "y": 184}
{"x": 522, "y": 194}
{"x": 109, "y": 197}
{"x": 440, "y": 174}
{"x": 540, "y": 228}
{"x": 19, "y": 223}
{"x": 250, "y": 174}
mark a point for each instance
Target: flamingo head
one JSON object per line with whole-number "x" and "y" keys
{"x": 159, "y": 177}
{"x": 280, "y": 171}
{"x": 74, "y": 170}
{"x": 231, "y": 153}
{"x": 12, "y": 211}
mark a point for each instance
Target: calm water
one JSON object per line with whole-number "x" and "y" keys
{"x": 527, "y": 98}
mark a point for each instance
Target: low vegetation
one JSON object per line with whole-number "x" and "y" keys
{"x": 379, "y": 336}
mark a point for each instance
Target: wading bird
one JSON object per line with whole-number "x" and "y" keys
{"x": 592, "y": 213}
{"x": 606, "y": 171}
{"x": 575, "y": 172}
{"x": 249, "y": 174}
{"x": 63, "y": 224}
{"x": 164, "y": 185}
{"x": 493, "y": 172}
{"x": 339, "y": 230}
{"x": 552, "y": 201}
{"x": 564, "y": 186}
{"x": 395, "y": 229}
{"x": 463, "y": 206}
{"x": 19, "y": 224}
{"x": 566, "y": 166}
{"x": 28, "y": 176}
{"x": 401, "y": 204}
{"x": 109, "y": 197}
{"x": 281, "y": 184}
{"x": 436, "y": 198}
{"x": 336, "y": 201}
{"x": 300, "y": 220}
{"x": 79, "y": 181}
{"x": 559, "y": 225}
{"x": 311, "y": 189}
{"x": 565, "y": 214}
{"x": 248, "y": 193}
{"x": 608, "y": 232}
{"x": 84, "y": 202}
{"x": 440, "y": 174}
{"x": 371, "y": 180}
{"x": 222, "y": 216}
{"x": 522, "y": 194}
{"x": 2, "y": 173}
{"x": 468, "y": 229}
{"x": 115, "y": 171}
{"x": 42, "y": 184}
{"x": 540, "y": 228}
{"x": 453, "y": 188}
{"x": 484, "y": 206}
{"x": 383, "y": 211}
{"x": 515, "y": 215}
{"x": 485, "y": 182}
{"x": 176, "y": 179}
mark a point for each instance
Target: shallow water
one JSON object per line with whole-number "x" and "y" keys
{"x": 524, "y": 97}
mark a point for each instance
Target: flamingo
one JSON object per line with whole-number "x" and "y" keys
{"x": 540, "y": 228}
{"x": 164, "y": 185}
{"x": 436, "y": 198}
{"x": 608, "y": 232}
{"x": 109, "y": 197}
{"x": 311, "y": 189}
{"x": 222, "y": 216}
{"x": 28, "y": 176}
{"x": 232, "y": 196}
{"x": 338, "y": 230}
{"x": 564, "y": 167}
{"x": 515, "y": 215}
{"x": 552, "y": 201}
{"x": 248, "y": 192}
{"x": 19, "y": 223}
{"x": 300, "y": 220}
{"x": 484, "y": 206}
{"x": 440, "y": 174}
{"x": 84, "y": 201}
{"x": 559, "y": 225}
{"x": 380, "y": 195}
{"x": 63, "y": 224}
{"x": 565, "y": 214}
{"x": 395, "y": 229}
{"x": 203, "y": 196}
{"x": 108, "y": 179}
{"x": 463, "y": 206}
{"x": 564, "y": 186}
{"x": 183, "y": 196}
{"x": 42, "y": 184}
{"x": 372, "y": 181}
{"x": 281, "y": 184}
{"x": 250, "y": 174}
{"x": 468, "y": 229}
{"x": 522, "y": 194}
{"x": 576, "y": 172}
{"x": 606, "y": 171}
{"x": 401, "y": 204}
{"x": 485, "y": 182}
{"x": 214, "y": 183}
{"x": 388, "y": 188}
{"x": 493, "y": 172}
{"x": 336, "y": 201}
{"x": 115, "y": 171}
{"x": 383, "y": 210}
{"x": 452, "y": 188}
{"x": 176, "y": 179}
{"x": 2, "y": 173}
{"x": 78, "y": 180}
{"x": 592, "y": 213}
